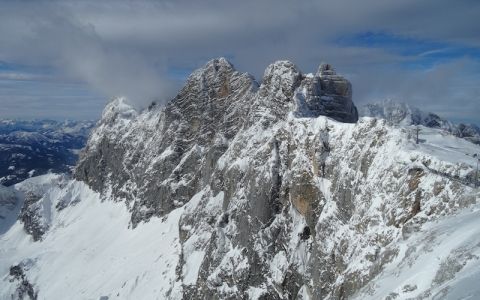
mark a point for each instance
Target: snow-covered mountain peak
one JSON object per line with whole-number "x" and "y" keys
{"x": 217, "y": 79}
{"x": 325, "y": 70}
{"x": 401, "y": 113}
{"x": 119, "y": 107}
{"x": 280, "y": 80}
{"x": 235, "y": 191}
{"x": 282, "y": 71}
{"x": 213, "y": 69}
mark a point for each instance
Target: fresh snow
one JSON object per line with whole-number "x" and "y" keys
{"x": 90, "y": 251}
{"x": 442, "y": 261}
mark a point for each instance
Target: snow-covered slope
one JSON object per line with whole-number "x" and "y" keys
{"x": 240, "y": 191}
{"x": 89, "y": 251}
{"x": 440, "y": 261}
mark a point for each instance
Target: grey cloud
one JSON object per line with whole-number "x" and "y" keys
{"x": 128, "y": 47}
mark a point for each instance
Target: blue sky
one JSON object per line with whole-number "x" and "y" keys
{"x": 28, "y": 92}
{"x": 65, "y": 59}
{"x": 423, "y": 53}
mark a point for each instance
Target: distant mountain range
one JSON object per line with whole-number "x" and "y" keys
{"x": 399, "y": 113}
{"x": 31, "y": 148}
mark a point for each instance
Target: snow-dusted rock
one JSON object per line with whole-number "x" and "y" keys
{"x": 236, "y": 190}
{"x": 159, "y": 159}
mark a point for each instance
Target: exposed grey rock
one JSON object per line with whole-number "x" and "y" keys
{"x": 272, "y": 199}
{"x": 25, "y": 289}
{"x": 32, "y": 217}
{"x": 36, "y": 207}
{"x": 336, "y": 93}
{"x": 192, "y": 132}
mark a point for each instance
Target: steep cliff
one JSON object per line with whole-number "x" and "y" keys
{"x": 159, "y": 159}
{"x": 236, "y": 190}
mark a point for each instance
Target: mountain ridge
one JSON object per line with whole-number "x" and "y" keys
{"x": 236, "y": 190}
{"x": 215, "y": 103}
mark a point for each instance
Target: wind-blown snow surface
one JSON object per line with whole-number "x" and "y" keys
{"x": 90, "y": 251}
{"x": 439, "y": 262}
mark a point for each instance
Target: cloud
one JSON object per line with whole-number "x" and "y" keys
{"x": 135, "y": 48}
{"x": 74, "y": 48}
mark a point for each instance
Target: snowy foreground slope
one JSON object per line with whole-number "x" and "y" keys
{"x": 89, "y": 250}
{"x": 243, "y": 191}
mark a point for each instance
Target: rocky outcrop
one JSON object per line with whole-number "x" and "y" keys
{"x": 275, "y": 201}
{"x": 32, "y": 216}
{"x": 158, "y": 160}
{"x": 335, "y": 95}
{"x": 24, "y": 289}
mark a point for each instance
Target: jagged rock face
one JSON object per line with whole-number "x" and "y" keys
{"x": 241, "y": 191}
{"x": 275, "y": 202}
{"x": 34, "y": 204}
{"x": 287, "y": 211}
{"x": 337, "y": 93}
{"x": 158, "y": 160}
{"x": 31, "y": 216}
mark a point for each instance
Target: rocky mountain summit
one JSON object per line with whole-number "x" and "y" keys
{"x": 158, "y": 160}
{"x": 241, "y": 190}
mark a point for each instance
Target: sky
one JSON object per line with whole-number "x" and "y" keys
{"x": 66, "y": 59}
